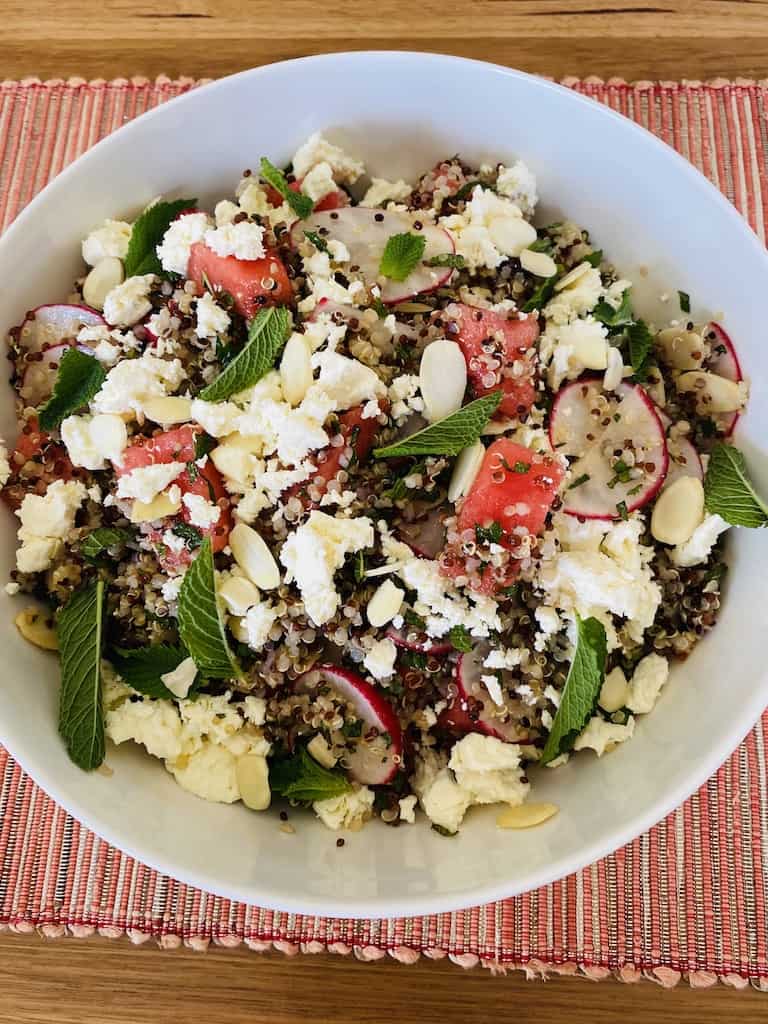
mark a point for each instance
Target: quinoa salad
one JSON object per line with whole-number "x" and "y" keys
{"x": 366, "y": 496}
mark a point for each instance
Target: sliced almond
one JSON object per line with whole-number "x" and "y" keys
{"x": 442, "y": 379}
{"x": 296, "y": 369}
{"x": 614, "y": 372}
{"x": 322, "y": 753}
{"x": 236, "y": 459}
{"x": 168, "y": 410}
{"x": 682, "y": 349}
{"x": 238, "y": 629}
{"x": 254, "y": 557}
{"x": 511, "y": 234}
{"x": 679, "y": 509}
{"x": 253, "y": 781}
{"x": 713, "y": 393}
{"x": 573, "y": 276}
{"x": 465, "y": 470}
{"x": 238, "y": 594}
{"x": 592, "y": 352}
{"x": 614, "y": 693}
{"x": 538, "y": 263}
{"x": 385, "y": 604}
{"x": 36, "y": 626}
{"x": 526, "y": 815}
{"x": 158, "y": 508}
{"x": 106, "y": 275}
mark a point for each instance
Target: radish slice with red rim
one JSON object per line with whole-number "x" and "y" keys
{"x": 476, "y": 702}
{"x": 410, "y": 639}
{"x": 366, "y": 232}
{"x": 725, "y": 363}
{"x": 40, "y": 376}
{"x": 684, "y": 460}
{"x": 378, "y": 753}
{"x": 617, "y": 446}
{"x": 50, "y": 325}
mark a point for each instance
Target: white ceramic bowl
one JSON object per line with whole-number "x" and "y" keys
{"x": 645, "y": 206}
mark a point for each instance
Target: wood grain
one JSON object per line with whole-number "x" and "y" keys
{"x": 204, "y": 38}
{"x": 75, "y": 981}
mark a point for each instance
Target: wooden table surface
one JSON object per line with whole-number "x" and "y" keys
{"x": 111, "y": 981}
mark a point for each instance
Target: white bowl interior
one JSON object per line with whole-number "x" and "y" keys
{"x": 645, "y": 207}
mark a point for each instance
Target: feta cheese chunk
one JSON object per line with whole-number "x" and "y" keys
{"x": 518, "y": 183}
{"x": 488, "y": 770}
{"x": 212, "y": 320}
{"x": 350, "y": 810}
{"x": 182, "y": 234}
{"x": 570, "y": 349}
{"x": 344, "y": 382}
{"x": 380, "y": 659}
{"x": 490, "y": 229}
{"x": 46, "y": 519}
{"x": 381, "y": 191}
{"x": 317, "y": 150}
{"x": 259, "y": 620}
{"x": 202, "y": 513}
{"x": 145, "y": 482}
{"x": 646, "y": 684}
{"x": 110, "y": 240}
{"x": 244, "y": 241}
{"x": 319, "y": 182}
{"x": 315, "y": 551}
{"x": 699, "y": 547}
{"x": 127, "y": 303}
{"x": 132, "y": 381}
{"x": 575, "y": 295}
{"x": 602, "y": 736}
{"x": 92, "y": 441}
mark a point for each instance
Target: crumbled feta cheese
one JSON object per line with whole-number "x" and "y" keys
{"x": 345, "y": 382}
{"x": 549, "y": 624}
{"x": 202, "y": 513}
{"x": 156, "y": 724}
{"x": 212, "y": 320}
{"x": 576, "y": 299}
{"x": 225, "y": 212}
{"x": 602, "y": 736}
{"x": 133, "y": 381}
{"x": 490, "y": 229}
{"x": 698, "y": 547}
{"x": 407, "y": 805}
{"x": 318, "y": 183}
{"x": 518, "y": 183}
{"x": 170, "y": 589}
{"x": 5, "y": 466}
{"x": 127, "y": 303}
{"x": 92, "y": 441}
{"x": 350, "y": 810}
{"x": 404, "y": 396}
{"x": 488, "y": 770}
{"x": 210, "y": 773}
{"x": 182, "y": 234}
{"x": 259, "y": 620}
{"x": 46, "y": 519}
{"x": 180, "y": 679}
{"x": 371, "y": 410}
{"x": 380, "y": 659}
{"x": 244, "y": 241}
{"x": 570, "y": 349}
{"x": 646, "y": 684}
{"x": 444, "y": 801}
{"x": 111, "y": 239}
{"x": 504, "y": 658}
{"x": 381, "y": 191}
{"x": 313, "y": 553}
{"x": 255, "y": 710}
{"x": 145, "y": 482}
{"x": 269, "y": 484}
{"x": 493, "y": 687}
{"x": 317, "y": 150}
{"x": 216, "y": 418}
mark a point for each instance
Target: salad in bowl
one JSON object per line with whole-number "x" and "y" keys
{"x": 369, "y": 496}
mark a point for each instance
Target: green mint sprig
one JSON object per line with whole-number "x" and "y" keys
{"x": 101, "y": 539}
{"x": 267, "y": 333}
{"x": 301, "y": 778}
{"x": 79, "y": 378}
{"x": 728, "y": 490}
{"x": 147, "y": 233}
{"x": 142, "y": 668}
{"x": 80, "y": 631}
{"x": 301, "y": 205}
{"x": 582, "y": 688}
{"x": 401, "y": 255}
{"x": 448, "y": 436}
{"x": 200, "y": 622}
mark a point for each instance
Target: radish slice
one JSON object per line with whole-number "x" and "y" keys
{"x": 343, "y": 311}
{"x": 684, "y": 460}
{"x": 426, "y": 536}
{"x": 475, "y": 701}
{"x": 40, "y": 376}
{"x": 414, "y": 640}
{"x": 47, "y": 326}
{"x": 725, "y": 363}
{"x": 366, "y": 232}
{"x": 375, "y": 760}
{"x": 593, "y": 428}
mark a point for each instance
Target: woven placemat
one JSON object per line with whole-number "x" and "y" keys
{"x": 687, "y": 899}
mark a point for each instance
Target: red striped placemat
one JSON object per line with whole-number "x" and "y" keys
{"x": 687, "y": 899}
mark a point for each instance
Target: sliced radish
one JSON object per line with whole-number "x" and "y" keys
{"x": 594, "y": 428}
{"x": 684, "y": 460}
{"x": 340, "y": 311}
{"x": 409, "y": 639}
{"x": 40, "y": 376}
{"x": 366, "y": 232}
{"x": 425, "y": 536}
{"x": 47, "y": 326}
{"x": 725, "y": 363}
{"x": 379, "y": 751}
{"x": 475, "y": 701}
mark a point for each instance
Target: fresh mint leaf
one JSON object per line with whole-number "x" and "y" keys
{"x": 543, "y": 244}
{"x": 582, "y": 688}
{"x": 301, "y": 778}
{"x": 447, "y": 259}
{"x": 488, "y": 534}
{"x": 610, "y": 317}
{"x": 401, "y": 255}
{"x": 80, "y": 632}
{"x": 301, "y": 205}
{"x": 594, "y": 259}
{"x": 143, "y": 668}
{"x": 728, "y": 491}
{"x": 79, "y": 378}
{"x": 448, "y": 436}
{"x": 147, "y": 233}
{"x": 542, "y": 293}
{"x": 188, "y": 533}
{"x": 640, "y": 347}
{"x": 204, "y": 444}
{"x": 469, "y": 187}
{"x": 460, "y": 639}
{"x": 267, "y": 333}
{"x": 317, "y": 240}
{"x": 103, "y": 537}
{"x": 685, "y": 302}
{"x": 200, "y": 623}
{"x": 381, "y": 310}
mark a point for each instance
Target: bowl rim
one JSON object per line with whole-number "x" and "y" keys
{"x": 612, "y": 839}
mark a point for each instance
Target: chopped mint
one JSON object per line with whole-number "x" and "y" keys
{"x": 317, "y": 240}
{"x": 594, "y": 259}
{"x": 204, "y": 444}
{"x": 488, "y": 534}
{"x": 542, "y": 244}
{"x": 188, "y": 532}
{"x": 582, "y": 688}
{"x": 447, "y": 259}
{"x": 301, "y": 778}
{"x": 448, "y": 436}
{"x": 584, "y": 478}
{"x": 142, "y": 668}
{"x": 610, "y": 317}
{"x": 401, "y": 255}
{"x": 543, "y": 292}
{"x": 460, "y": 639}
{"x": 147, "y": 233}
{"x": 200, "y": 622}
{"x": 685, "y": 302}
{"x": 621, "y": 508}
{"x": 640, "y": 345}
{"x": 301, "y": 205}
{"x": 80, "y": 632}
{"x": 728, "y": 491}
{"x": 103, "y": 537}
{"x": 267, "y": 333}
{"x": 79, "y": 378}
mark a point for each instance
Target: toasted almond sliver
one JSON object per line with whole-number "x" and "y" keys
{"x": 526, "y": 815}
{"x": 158, "y": 508}
{"x": 168, "y": 410}
{"x": 572, "y": 276}
{"x": 538, "y": 263}
{"x": 465, "y": 470}
{"x": 385, "y": 604}
{"x": 106, "y": 275}
{"x": 679, "y": 509}
{"x": 238, "y": 594}
{"x": 442, "y": 378}
{"x": 254, "y": 557}
{"x": 37, "y": 628}
{"x": 253, "y": 781}
{"x": 296, "y": 369}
